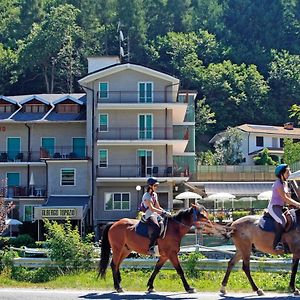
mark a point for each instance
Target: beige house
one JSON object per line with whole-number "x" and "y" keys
{"x": 258, "y": 137}
{"x": 88, "y": 156}
{"x": 43, "y": 156}
{"x": 141, "y": 125}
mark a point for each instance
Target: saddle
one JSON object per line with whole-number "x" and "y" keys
{"x": 141, "y": 228}
{"x": 267, "y": 223}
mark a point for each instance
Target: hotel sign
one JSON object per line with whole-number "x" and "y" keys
{"x": 59, "y": 212}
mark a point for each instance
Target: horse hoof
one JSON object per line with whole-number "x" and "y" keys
{"x": 296, "y": 292}
{"x": 151, "y": 290}
{"x": 120, "y": 290}
{"x": 260, "y": 292}
{"x": 223, "y": 290}
{"x": 191, "y": 290}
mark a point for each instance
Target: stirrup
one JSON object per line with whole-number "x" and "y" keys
{"x": 279, "y": 247}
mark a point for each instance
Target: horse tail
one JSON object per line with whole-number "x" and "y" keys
{"x": 105, "y": 251}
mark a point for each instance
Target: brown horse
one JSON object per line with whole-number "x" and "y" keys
{"x": 122, "y": 239}
{"x": 246, "y": 233}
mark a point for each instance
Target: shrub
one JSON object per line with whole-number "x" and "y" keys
{"x": 22, "y": 240}
{"x": 33, "y": 275}
{"x": 6, "y": 259}
{"x": 67, "y": 248}
{"x": 238, "y": 214}
{"x": 190, "y": 263}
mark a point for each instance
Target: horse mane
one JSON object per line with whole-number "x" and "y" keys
{"x": 182, "y": 214}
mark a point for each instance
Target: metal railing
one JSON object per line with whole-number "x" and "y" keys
{"x": 137, "y": 133}
{"x": 63, "y": 152}
{"x": 137, "y": 97}
{"x": 23, "y": 191}
{"x": 135, "y": 171}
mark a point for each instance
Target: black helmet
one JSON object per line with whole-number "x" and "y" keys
{"x": 152, "y": 181}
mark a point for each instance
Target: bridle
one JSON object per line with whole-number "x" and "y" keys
{"x": 195, "y": 220}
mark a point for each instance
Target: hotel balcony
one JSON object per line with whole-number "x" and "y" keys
{"x": 115, "y": 171}
{"x": 167, "y": 96}
{"x": 24, "y": 191}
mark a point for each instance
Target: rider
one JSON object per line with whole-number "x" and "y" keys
{"x": 152, "y": 211}
{"x": 280, "y": 196}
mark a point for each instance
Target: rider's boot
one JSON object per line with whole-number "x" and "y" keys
{"x": 277, "y": 245}
{"x": 154, "y": 236}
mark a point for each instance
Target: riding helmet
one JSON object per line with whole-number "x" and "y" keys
{"x": 279, "y": 169}
{"x": 152, "y": 181}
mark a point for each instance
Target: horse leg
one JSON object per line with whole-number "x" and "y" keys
{"x": 157, "y": 268}
{"x": 115, "y": 267}
{"x": 293, "y": 277}
{"x": 175, "y": 261}
{"x": 246, "y": 269}
{"x": 237, "y": 256}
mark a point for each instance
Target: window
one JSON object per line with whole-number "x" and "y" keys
{"x": 13, "y": 179}
{"x": 103, "y": 158}
{"x": 275, "y": 142}
{"x": 103, "y": 90}
{"x": 103, "y": 122}
{"x": 67, "y": 177}
{"x": 145, "y": 126}
{"x": 5, "y": 108}
{"x": 35, "y": 108}
{"x": 296, "y": 140}
{"x": 259, "y": 141}
{"x": 68, "y": 108}
{"x": 28, "y": 213}
{"x": 145, "y": 92}
{"x": 48, "y": 146}
{"x": 281, "y": 142}
{"x": 117, "y": 201}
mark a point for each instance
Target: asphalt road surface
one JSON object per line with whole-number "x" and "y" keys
{"x": 48, "y": 294}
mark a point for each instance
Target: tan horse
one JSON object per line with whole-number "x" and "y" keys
{"x": 122, "y": 239}
{"x": 245, "y": 234}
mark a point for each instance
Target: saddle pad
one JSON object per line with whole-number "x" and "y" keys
{"x": 141, "y": 228}
{"x": 266, "y": 223}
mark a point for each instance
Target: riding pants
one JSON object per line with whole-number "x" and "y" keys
{"x": 276, "y": 212}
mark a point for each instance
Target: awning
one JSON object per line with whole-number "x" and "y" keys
{"x": 62, "y": 207}
{"x": 237, "y": 188}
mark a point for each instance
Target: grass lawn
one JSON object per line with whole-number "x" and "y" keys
{"x": 166, "y": 280}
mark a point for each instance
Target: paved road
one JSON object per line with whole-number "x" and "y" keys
{"x": 48, "y": 294}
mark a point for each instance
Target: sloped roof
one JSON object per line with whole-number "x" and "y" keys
{"x": 127, "y": 66}
{"x": 267, "y": 129}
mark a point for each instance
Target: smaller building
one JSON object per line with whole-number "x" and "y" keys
{"x": 258, "y": 137}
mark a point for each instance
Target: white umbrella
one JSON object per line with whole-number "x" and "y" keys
{"x": 11, "y": 222}
{"x": 267, "y": 195}
{"x": 186, "y": 196}
{"x": 31, "y": 183}
{"x": 250, "y": 199}
{"x": 221, "y": 197}
{"x": 295, "y": 176}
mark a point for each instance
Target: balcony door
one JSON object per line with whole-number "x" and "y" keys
{"x": 145, "y": 92}
{"x": 48, "y": 144}
{"x": 79, "y": 147}
{"x": 13, "y": 147}
{"x": 145, "y": 126}
{"x": 145, "y": 162}
{"x": 13, "y": 180}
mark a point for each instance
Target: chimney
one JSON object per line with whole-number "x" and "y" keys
{"x": 96, "y": 63}
{"x": 288, "y": 126}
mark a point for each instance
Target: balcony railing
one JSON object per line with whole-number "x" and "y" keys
{"x": 137, "y": 171}
{"x": 63, "y": 152}
{"x": 59, "y": 152}
{"x": 23, "y": 191}
{"x": 137, "y": 97}
{"x": 136, "y": 133}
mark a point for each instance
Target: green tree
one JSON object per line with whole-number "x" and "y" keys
{"x": 204, "y": 117}
{"x": 291, "y": 151}
{"x": 237, "y": 94}
{"x": 228, "y": 147}
{"x": 264, "y": 158}
{"x": 295, "y": 112}
{"x": 67, "y": 248}
{"x": 284, "y": 80}
{"x": 46, "y": 40}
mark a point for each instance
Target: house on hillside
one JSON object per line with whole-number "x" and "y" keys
{"x": 258, "y": 137}
{"x": 88, "y": 156}
{"x": 140, "y": 124}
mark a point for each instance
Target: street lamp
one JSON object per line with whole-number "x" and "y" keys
{"x": 138, "y": 188}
